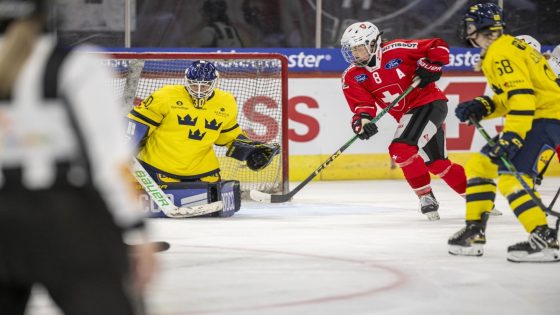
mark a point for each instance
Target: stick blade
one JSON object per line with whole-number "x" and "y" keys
{"x": 260, "y": 196}
{"x": 268, "y": 198}
{"x": 194, "y": 211}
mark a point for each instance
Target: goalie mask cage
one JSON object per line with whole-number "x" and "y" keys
{"x": 259, "y": 83}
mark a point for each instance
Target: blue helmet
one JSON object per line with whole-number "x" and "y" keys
{"x": 481, "y": 17}
{"x": 201, "y": 78}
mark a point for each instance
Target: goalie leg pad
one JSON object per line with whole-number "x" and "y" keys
{"x": 230, "y": 194}
{"x": 188, "y": 194}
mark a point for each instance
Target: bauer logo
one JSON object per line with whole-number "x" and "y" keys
{"x": 393, "y": 63}
{"x": 360, "y": 78}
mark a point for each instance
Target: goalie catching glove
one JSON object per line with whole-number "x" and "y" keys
{"x": 257, "y": 154}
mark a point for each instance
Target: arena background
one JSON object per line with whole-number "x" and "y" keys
{"x": 319, "y": 118}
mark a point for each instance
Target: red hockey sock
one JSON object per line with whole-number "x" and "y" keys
{"x": 453, "y": 174}
{"x": 412, "y": 165}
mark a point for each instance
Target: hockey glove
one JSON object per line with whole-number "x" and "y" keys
{"x": 508, "y": 145}
{"x": 362, "y": 127}
{"x": 428, "y": 71}
{"x": 257, "y": 154}
{"x": 478, "y": 108}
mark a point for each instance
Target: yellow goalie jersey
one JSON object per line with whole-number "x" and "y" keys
{"x": 525, "y": 86}
{"x": 180, "y": 136}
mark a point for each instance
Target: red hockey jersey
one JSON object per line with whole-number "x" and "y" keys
{"x": 366, "y": 87}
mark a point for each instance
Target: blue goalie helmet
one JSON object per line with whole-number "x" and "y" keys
{"x": 201, "y": 78}
{"x": 481, "y": 17}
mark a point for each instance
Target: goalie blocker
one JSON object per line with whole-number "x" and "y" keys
{"x": 188, "y": 194}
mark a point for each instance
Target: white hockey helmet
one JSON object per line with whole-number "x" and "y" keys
{"x": 361, "y": 43}
{"x": 531, "y": 41}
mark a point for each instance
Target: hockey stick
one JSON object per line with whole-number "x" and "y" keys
{"x": 554, "y": 200}
{"x": 512, "y": 169}
{"x": 264, "y": 197}
{"x": 540, "y": 176}
{"x": 163, "y": 202}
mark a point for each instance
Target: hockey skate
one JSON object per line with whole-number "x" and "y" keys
{"x": 542, "y": 246}
{"x": 429, "y": 206}
{"x": 469, "y": 241}
{"x": 495, "y": 212}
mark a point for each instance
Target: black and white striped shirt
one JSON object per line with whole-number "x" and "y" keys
{"x": 62, "y": 112}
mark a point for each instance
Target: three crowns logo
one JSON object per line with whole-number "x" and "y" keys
{"x": 212, "y": 125}
{"x": 196, "y": 135}
{"x": 187, "y": 120}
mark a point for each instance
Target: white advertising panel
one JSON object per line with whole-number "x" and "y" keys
{"x": 320, "y": 117}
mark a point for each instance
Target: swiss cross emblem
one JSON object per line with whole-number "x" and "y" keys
{"x": 390, "y": 93}
{"x": 388, "y": 98}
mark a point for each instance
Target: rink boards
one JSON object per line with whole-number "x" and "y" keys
{"x": 320, "y": 124}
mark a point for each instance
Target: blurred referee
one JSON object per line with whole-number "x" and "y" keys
{"x": 65, "y": 202}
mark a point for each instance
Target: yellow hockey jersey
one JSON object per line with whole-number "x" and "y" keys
{"x": 181, "y": 137}
{"x": 525, "y": 86}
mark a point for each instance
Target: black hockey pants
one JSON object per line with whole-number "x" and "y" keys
{"x": 64, "y": 239}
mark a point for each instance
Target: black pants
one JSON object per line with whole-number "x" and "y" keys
{"x": 66, "y": 240}
{"x": 423, "y": 127}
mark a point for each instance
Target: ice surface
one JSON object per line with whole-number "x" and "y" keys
{"x": 355, "y": 247}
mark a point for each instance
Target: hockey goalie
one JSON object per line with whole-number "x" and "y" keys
{"x": 175, "y": 129}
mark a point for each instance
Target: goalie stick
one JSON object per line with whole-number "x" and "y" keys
{"x": 264, "y": 197}
{"x": 513, "y": 169}
{"x": 163, "y": 202}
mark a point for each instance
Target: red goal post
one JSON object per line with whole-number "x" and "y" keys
{"x": 259, "y": 82}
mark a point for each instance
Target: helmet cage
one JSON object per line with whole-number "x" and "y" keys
{"x": 349, "y": 51}
{"x": 358, "y": 44}
{"x": 201, "y": 79}
{"x": 200, "y": 91}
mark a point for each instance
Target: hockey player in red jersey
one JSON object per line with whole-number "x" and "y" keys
{"x": 380, "y": 72}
